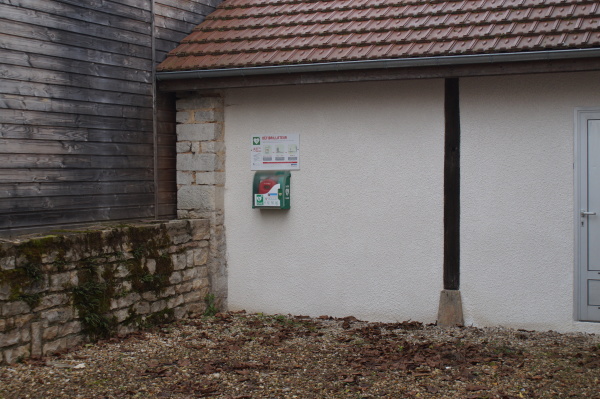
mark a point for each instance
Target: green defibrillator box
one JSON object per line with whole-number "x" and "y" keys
{"x": 271, "y": 190}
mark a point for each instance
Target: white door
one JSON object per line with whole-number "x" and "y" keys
{"x": 588, "y": 215}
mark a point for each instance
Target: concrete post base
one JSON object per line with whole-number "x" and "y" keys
{"x": 450, "y": 312}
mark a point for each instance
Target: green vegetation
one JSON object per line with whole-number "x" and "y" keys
{"x": 211, "y": 308}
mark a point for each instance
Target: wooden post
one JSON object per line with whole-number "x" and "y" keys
{"x": 452, "y": 187}
{"x": 450, "y": 307}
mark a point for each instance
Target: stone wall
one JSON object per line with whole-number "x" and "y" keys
{"x": 201, "y": 176}
{"x": 61, "y": 290}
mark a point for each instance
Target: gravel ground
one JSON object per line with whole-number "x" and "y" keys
{"x": 241, "y": 356}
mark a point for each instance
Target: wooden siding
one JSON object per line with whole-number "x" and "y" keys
{"x": 80, "y": 137}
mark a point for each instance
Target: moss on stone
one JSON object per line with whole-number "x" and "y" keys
{"x": 149, "y": 243}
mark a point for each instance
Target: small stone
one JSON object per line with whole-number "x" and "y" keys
{"x": 73, "y": 327}
{"x": 36, "y": 339}
{"x": 55, "y": 346}
{"x": 60, "y": 315}
{"x": 10, "y": 338}
{"x": 200, "y": 256}
{"x": 158, "y": 306}
{"x": 175, "y": 301}
{"x": 60, "y": 281}
{"x": 14, "y": 308}
{"x": 142, "y": 308}
{"x": 4, "y": 291}
{"x": 20, "y": 321}
{"x": 12, "y": 355}
{"x": 50, "y": 333}
{"x": 179, "y": 261}
{"x": 189, "y": 274}
{"x": 194, "y": 296}
{"x": 151, "y": 265}
{"x": 175, "y": 278}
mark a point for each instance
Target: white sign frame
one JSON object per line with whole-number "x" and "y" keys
{"x": 275, "y": 151}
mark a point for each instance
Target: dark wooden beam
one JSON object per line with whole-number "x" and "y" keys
{"x": 432, "y": 72}
{"x": 452, "y": 186}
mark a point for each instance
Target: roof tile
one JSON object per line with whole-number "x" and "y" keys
{"x": 243, "y": 33}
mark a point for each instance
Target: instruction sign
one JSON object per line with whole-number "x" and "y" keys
{"x": 275, "y": 152}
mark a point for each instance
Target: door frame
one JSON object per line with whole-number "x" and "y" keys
{"x": 581, "y": 117}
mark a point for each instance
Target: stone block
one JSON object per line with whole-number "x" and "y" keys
{"x": 50, "y": 333}
{"x": 200, "y": 229}
{"x": 199, "y": 131}
{"x": 174, "y": 301}
{"x": 149, "y": 296}
{"x": 180, "y": 312}
{"x": 7, "y": 263}
{"x": 36, "y": 339}
{"x": 10, "y": 337}
{"x": 128, "y": 300}
{"x": 183, "y": 117}
{"x": 181, "y": 238}
{"x": 121, "y": 271}
{"x": 199, "y": 198}
{"x": 14, "y": 354}
{"x": 183, "y": 147}
{"x": 151, "y": 265}
{"x": 59, "y": 315}
{"x": 142, "y": 308}
{"x": 212, "y": 146}
{"x": 124, "y": 330}
{"x": 210, "y": 178}
{"x": 197, "y": 102}
{"x": 182, "y": 214}
{"x": 60, "y": 281}
{"x": 450, "y": 312}
{"x": 189, "y": 274}
{"x": 25, "y": 334}
{"x": 185, "y": 178}
{"x": 179, "y": 261}
{"x": 189, "y": 257}
{"x": 176, "y": 278}
{"x": 194, "y": 296}
{"x": 121, "y": 315}
{"x": 14, "y": 308}
{"x": 55, "y": 346}
{"x": 196, "y": 308}
{"x": 196, "y": 162}
{"x": 158, "y": 306}
{"x": 199, "y": 283}
{"x": 169, "y": 291}
{"x": 75, "y": 340}
{"x": 3, "y": 325}
{"x": 183, "y": 288}
{"x": 200, "y": 256}
{"x": 51, "y": 300}
{"x": 4, "y": 291}
{"x": 22, "y": 320}
{"x": 196, "y": 148}
{"x": 73, "y": 327}
{"x": 209, "y": 115}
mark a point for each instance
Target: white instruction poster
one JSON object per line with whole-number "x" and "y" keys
{"x": 275, "y": 152}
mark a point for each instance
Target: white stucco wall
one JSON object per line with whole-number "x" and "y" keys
{"x": 517, "y": 199}
{"x": 364, "y": 236}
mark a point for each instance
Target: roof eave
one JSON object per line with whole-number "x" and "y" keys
{"x": 547, "y": 55}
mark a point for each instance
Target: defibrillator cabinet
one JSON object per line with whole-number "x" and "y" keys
{"x": 271, "y": 190}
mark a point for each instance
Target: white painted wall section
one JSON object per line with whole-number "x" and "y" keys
{"x": 364, "y": 236}
{"x": 517, "y": 199}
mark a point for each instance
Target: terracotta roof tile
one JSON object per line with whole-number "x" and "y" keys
{"x": 242, "y": 33}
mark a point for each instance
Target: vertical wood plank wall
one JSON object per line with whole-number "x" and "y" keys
{"x": 76, "y": 110}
